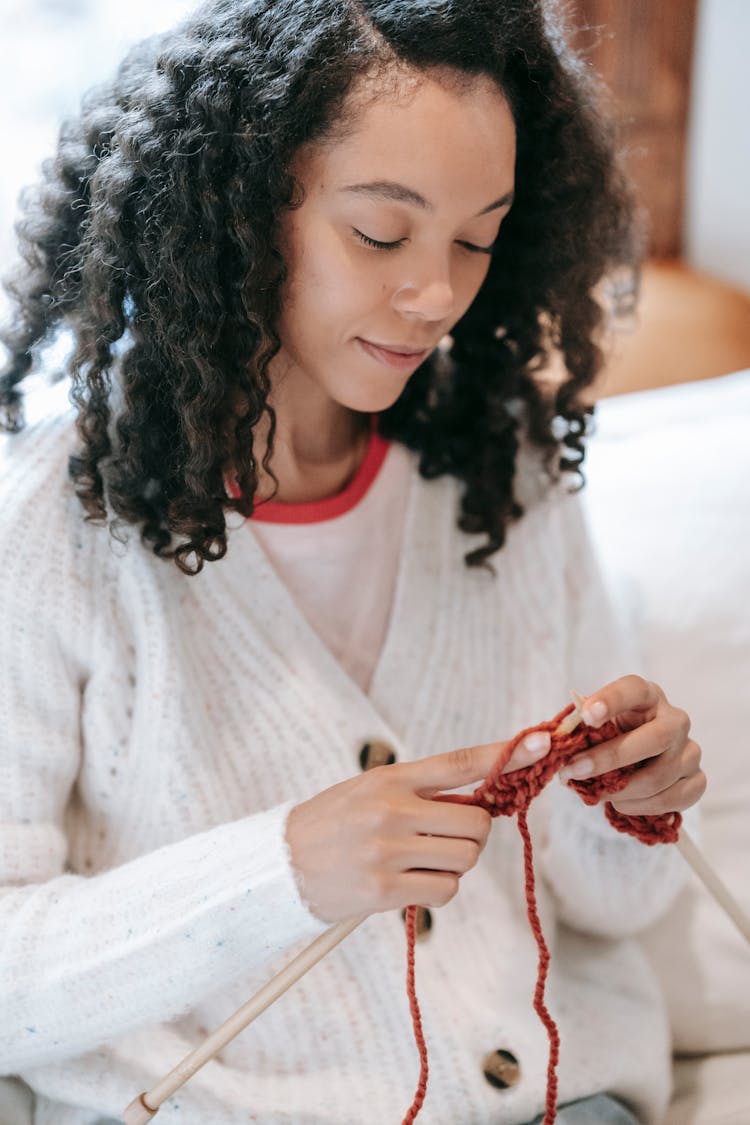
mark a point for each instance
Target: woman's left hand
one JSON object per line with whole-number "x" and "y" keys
{"x": 653, "y": 731}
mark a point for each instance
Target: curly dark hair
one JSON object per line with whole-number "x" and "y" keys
{"x": 153, "y": 237}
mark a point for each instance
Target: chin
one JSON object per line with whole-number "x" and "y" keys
{"x": 372, "y": 400}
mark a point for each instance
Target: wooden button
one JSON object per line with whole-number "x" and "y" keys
{"x": 501, "y": 1069}
{"x": 376, "y": 753}
{"x": 423, "y": 922}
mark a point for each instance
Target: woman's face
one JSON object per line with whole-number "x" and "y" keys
{"x": 390, "y": 246}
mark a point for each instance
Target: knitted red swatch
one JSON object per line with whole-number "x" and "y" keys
{"x": 505, "y": 794}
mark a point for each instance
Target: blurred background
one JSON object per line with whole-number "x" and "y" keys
{"x": 680, "y": 84}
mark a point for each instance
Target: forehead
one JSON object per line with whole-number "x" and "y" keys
{"x": 450, "y": 140}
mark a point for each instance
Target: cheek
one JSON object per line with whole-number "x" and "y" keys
{"x": 329, "y": 289}
{"x": 466, "y": 286}
{"x": 473, "y": 282}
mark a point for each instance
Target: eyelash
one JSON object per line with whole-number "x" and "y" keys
{"x": 395, "y": 245}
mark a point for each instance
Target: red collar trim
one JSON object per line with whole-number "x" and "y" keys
{"x": 315, "y": 511}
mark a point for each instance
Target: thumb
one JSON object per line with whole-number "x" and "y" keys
{"x": 471, "y": 763}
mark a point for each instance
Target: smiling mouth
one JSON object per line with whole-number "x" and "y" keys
{"x": 394, "y": 357}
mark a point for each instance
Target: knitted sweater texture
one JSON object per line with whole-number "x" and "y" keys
{"x": 157, "y": 729}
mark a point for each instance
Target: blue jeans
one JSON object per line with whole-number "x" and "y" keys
{"x": 599, "y": 1110}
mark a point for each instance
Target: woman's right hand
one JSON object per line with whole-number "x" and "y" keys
{"x": 384, "y": 839}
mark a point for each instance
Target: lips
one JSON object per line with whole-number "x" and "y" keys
{"x": 399, "y": 349}
{"x": 402, "y": 356}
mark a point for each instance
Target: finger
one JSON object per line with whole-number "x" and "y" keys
{"x": 676, "y": 798}
{"x": 457, "y": 767}
{"x": 628, "y": 694}
{"x": 439, "y": 816}
{"x": 423, "y": 888}
{"x": 534, "y": 747}
{"x": 660, "y": 736}
{"x": 439, "y": 853}
{"x": 662, "y": 772}
{"x": 615, "y": 753}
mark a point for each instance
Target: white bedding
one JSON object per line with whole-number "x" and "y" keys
{"x": 669, "y": 498}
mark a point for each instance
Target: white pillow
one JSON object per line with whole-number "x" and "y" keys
{"x": 668, "y": 493}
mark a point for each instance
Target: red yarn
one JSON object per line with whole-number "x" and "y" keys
{"x": 505, "y": 794}
{"x": 416, "y": 1018}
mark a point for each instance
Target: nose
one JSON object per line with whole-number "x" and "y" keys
{"x": 427, "y": 296}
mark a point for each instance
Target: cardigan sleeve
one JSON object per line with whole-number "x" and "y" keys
{"x": 86, "y": 959}
{"x": 605, "y": 882}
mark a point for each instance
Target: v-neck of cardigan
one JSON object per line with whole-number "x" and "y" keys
{"x": 394, "y": 688}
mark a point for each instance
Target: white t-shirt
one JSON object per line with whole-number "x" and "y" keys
{"x": 340, "y": 572}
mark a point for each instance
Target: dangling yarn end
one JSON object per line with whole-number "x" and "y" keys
{"x": 416, "y": 1017}
{"x": 541, "y": 980}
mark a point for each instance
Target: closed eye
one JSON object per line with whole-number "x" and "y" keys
{"x": 399, "y": 242}
{"x": 375, "y": 243}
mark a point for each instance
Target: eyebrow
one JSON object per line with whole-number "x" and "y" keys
{"x": 399, "y": 193}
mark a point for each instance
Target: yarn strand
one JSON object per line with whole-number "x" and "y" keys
{"x": 416, "y": 1016}
{"x": 544, "y": 958}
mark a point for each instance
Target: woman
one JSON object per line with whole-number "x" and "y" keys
{"x": 314, "y": 257}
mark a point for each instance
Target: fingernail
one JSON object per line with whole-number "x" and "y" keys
{"x": 581, "y": 767}
{"x": 538, "y": 743}
{"x": 595, "y": 713}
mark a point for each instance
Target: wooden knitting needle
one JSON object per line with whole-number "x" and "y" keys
{"x": 145, "y": 1107}
{"x": 686, "y": 845}
{"x": 571, "y": 721}
{"x": 711, "y": 881}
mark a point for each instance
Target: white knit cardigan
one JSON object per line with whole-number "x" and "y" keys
{"x": 155, "y": 731}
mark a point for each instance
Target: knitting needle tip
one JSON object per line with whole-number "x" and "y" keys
{"x": 571, "y": 721}
{"x": 138, "y": 1113}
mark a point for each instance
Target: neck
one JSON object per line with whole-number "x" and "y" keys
{"x": 316, "y": 452}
